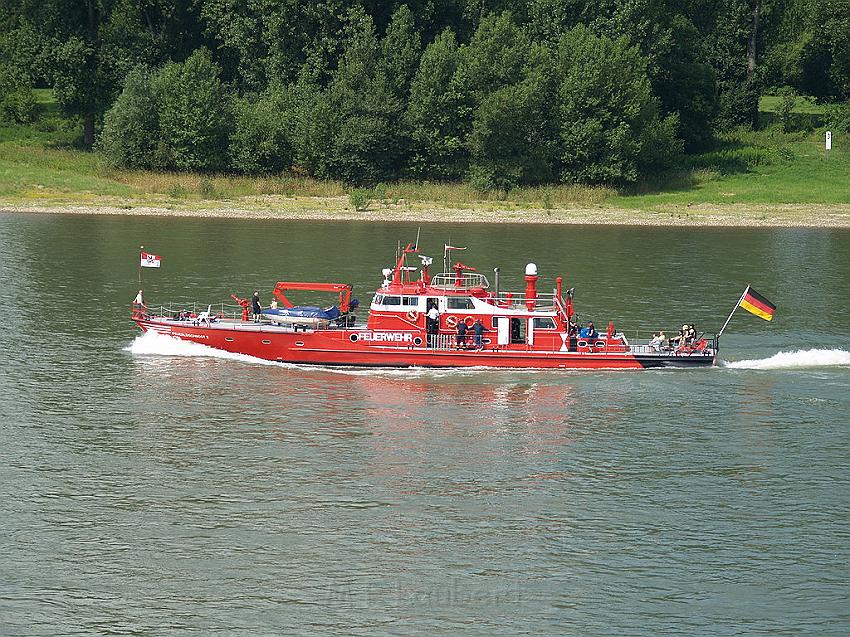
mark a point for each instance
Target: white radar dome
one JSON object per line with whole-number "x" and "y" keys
{"x": 531, "y": 269}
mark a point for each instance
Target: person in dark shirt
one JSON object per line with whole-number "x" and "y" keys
{"x": 572, "y": 330}
{"x": 256, "y": 308}
{"x": 591, "y": 331}
{"x": 461, "y": 334}
{"x": 478, "y": 329}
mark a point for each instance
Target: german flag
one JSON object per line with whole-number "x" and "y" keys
{"x": 755, "y": 303}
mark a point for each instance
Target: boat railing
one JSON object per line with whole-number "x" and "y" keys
{"x": 174, "y": 308}
{"x": 645, "y": 346}
{"x": 544, "y": 301}
{"x": 449, "y": 341}
{"x": 463, "y": 281}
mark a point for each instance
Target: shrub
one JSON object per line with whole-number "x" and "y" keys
{"x": 176, "y": 191}
{"x": 17, "y": 100}
{"x": 206, "y": 188}
{"x": 786, "y": 107}
{"x": 19, "y": 106}
{"x": 359, "y": 198}
{"x": 837, "y": 117}
{"x": 739, "y": 104}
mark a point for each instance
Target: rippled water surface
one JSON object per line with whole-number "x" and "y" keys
{"x": 149, "y": 487}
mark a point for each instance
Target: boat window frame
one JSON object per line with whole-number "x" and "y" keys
{"x": 469, "y": 304}
{"x": 551, "y": 320}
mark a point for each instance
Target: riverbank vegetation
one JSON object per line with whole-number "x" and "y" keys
{"x": 633, "y": 105}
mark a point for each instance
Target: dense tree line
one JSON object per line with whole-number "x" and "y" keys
{"x": 501, "y": 93}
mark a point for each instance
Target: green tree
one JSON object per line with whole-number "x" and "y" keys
{"x": 512, "y": 141}
{"x": 84, "y": 49}
{"x": 437, "y": 113}
{"x": 610, "y": 127}
{"x": 808, "y": 47}
{"x": 267, "y": 132}
{"x": 131, "y": 132}
{"x": 509, "y": 83}
{"x": 194, "y": 113}
{"x": 687, "y": 86}
{"x": 355, "y": 133}
{"x": 730, "y": 40}
{"x": 401, "y": 48}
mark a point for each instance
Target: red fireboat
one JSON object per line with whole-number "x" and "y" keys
{"x": 452, "y": 319}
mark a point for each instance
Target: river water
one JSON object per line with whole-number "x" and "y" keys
{"x": 148, "y": 487}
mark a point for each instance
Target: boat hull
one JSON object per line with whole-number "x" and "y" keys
{"x": 362, "y": 348}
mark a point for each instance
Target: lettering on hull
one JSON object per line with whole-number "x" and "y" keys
{"x": 382, "y": 337}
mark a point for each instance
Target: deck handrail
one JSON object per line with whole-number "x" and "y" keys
{"x": 464, "y": 281}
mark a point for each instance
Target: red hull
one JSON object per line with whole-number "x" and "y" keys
{"x": 336, "y": 348}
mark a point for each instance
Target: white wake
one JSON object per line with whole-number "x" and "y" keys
{"x": 799, "y": 359}
{"x": 153, "y": 344}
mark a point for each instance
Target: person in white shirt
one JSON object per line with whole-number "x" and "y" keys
{"x": 657, "y": 341}
{"x": 433, "y": 325}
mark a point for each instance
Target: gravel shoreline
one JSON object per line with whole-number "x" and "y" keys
{"x": 334, "y": 209}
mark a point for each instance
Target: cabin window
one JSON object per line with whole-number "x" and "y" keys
{"x": 410, "y": 300}
{"x": 544, "y": 323}
{"x": 392, "y": 300}
{"x": 459, "y": 303}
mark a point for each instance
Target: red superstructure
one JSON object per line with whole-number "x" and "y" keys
{"x": 529, "y": 329}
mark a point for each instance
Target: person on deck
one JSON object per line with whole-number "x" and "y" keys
{"x": 139, "y": 305}
{"x": 461, "y": 334}
{"x": 657, "y": 341}
{"x": 679, "y": 339}
{"x": 432, "y": 318}
{"x": 478, "y": 329}
{"x": 589, "y": 331}
{"x": 256, "y": 308}
{"x": 572, "y": 331}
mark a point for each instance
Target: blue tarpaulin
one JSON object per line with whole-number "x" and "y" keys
{"x": 306, "y": 311}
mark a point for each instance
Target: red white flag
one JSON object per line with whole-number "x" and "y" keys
{"x": 150, "y": 260}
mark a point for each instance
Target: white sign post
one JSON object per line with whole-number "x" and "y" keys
{"x": 829, "y": 140}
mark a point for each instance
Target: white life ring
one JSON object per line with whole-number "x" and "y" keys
{"x": 413, "y": 315}
{"x": 451, "y": 321}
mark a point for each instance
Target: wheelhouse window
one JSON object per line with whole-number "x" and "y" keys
{"x": 459, "y": 303}
{"x": 544, "y": 323}
{"x": 410, "y": 300}
{"x": 392, "y": 300}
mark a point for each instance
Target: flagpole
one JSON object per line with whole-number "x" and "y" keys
{"x": 737, "y": 305}
{"x": 139, "y": 265}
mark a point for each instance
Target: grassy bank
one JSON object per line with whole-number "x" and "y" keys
{"x": 766, "y": 177}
